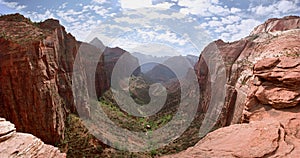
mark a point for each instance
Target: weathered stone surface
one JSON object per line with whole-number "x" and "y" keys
{"x": 24, "y": 145}
{"x": 36, "y": 76}
{"x": 275, "y": 60}
{"x": 278, "y": 24}
{"x": 280, "y": 83}
{"x": 262, "y": 81}
{"x": 6, "y": 129}
{"x": 256, "y": 139}
{"x": 278, "y": 97}
{"x": 266, "y": 63}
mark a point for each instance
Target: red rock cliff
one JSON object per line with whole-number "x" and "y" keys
{"x": 36, "y": 62}
{"x": 262, "y": 86}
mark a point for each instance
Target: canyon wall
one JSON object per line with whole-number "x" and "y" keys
{"x": 36, "y": 75}
{"x": 36, "y": 65}
{"x": 261, "y": 109}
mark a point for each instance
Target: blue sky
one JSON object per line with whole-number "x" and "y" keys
{"x": 175, "y": 23}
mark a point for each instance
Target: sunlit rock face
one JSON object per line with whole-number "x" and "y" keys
{"x": 15, "y": 144}
{"x": 36, "y": 67}
{"x": 262, "y": 93}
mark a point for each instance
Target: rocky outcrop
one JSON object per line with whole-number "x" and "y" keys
{"x": 259, "y": 140}
{"x": 272, "y": 128}
{"x": 14, "y": 144}
{"x": 278, "y": 83}
{"x": 36, "y": 66}
{"x": 276, "y": 24}
{"x": 36, "y": 69}
{"x": 239, "y": 58}
{"x": 262, "y": 85}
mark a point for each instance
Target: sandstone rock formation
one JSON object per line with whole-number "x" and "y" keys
{"x": 109, "y": 58}
{"x": 276, "y": 24}
{"x": 279, "y": 82}
{"x": 36, "y": 66}
{"x": 126, "y": 63}
{"x": 262, "y": 85}
{"x": 14, "y": 144}
{"x": 36, "y": 75}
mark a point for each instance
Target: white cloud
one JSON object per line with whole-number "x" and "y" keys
{"x": 156, "y": 50}
{"x": 225, "y": 35}
{"x": 215, "y": 23}
{"x": 203, "y": 7}
{"x": 276, "y": 9}
{"x": 261, "y": 10}
{"x": 243, "y": 29}
{"x": 165, "y": 5}
{"x": 218, "y": 10}
{"x": 99, "y": 1}
{"x": 235, "y": 10}
{"x": 135, "y": 4}
{"x": 40, "y": 16}
{"x": 286, "y": 6}
{"x": 69, "y": 15}
{"x": 13, "y": 5}
{"x": 198, "y": 7}
{"x": 215, "y": 18}
{"x": 100, "y": 10}
{"x": 63, "y": 6}
{"x": 230, "y": 19}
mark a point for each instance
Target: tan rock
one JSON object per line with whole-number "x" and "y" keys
{"x": 266, "y": 63}
{"x": 24, "y": 145}
{"x": 6, "y": 129}
{"x": 256, "y": 139}
{"x": 278, "y": 97}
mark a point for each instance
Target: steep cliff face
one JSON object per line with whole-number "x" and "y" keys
{"x": 36, "y": 66}
{"x": 36, "y": 62}
{"x": 15, "y": 144}
{"x": 126, "y": 61}
{"x": 110, "y": 57}
{"x": 262, "y": 93}
{"x": 239, "y": 58}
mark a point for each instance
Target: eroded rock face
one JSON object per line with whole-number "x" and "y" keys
{"x": 275, "y": 24}
{"x": 262, "y": 93}
{"x": 109, "y": 58}
{"x": 14, "y": 144}
{"x": 36, "y": 77}
{"x": 259, "y": 139}
{"x": 239, "y": 58}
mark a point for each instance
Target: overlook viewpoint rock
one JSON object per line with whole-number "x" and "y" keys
{"x": 260, "y": 116}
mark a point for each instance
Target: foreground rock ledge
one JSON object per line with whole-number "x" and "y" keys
{"x": 14, "y": 144}
{"x": 256, "y": 139}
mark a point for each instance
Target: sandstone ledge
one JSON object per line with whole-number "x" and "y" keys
{"x": 14, "y": 144}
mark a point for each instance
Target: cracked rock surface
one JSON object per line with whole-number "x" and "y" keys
{"x": 14, "y": 144}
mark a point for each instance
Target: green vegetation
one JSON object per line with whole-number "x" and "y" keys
{"x": 253, "y": 37}
{"x": 3, "y": 35}
{"x": 21, "y": 30}
{"x": 133, "y": 123}
{"x": 78, "y": 142}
